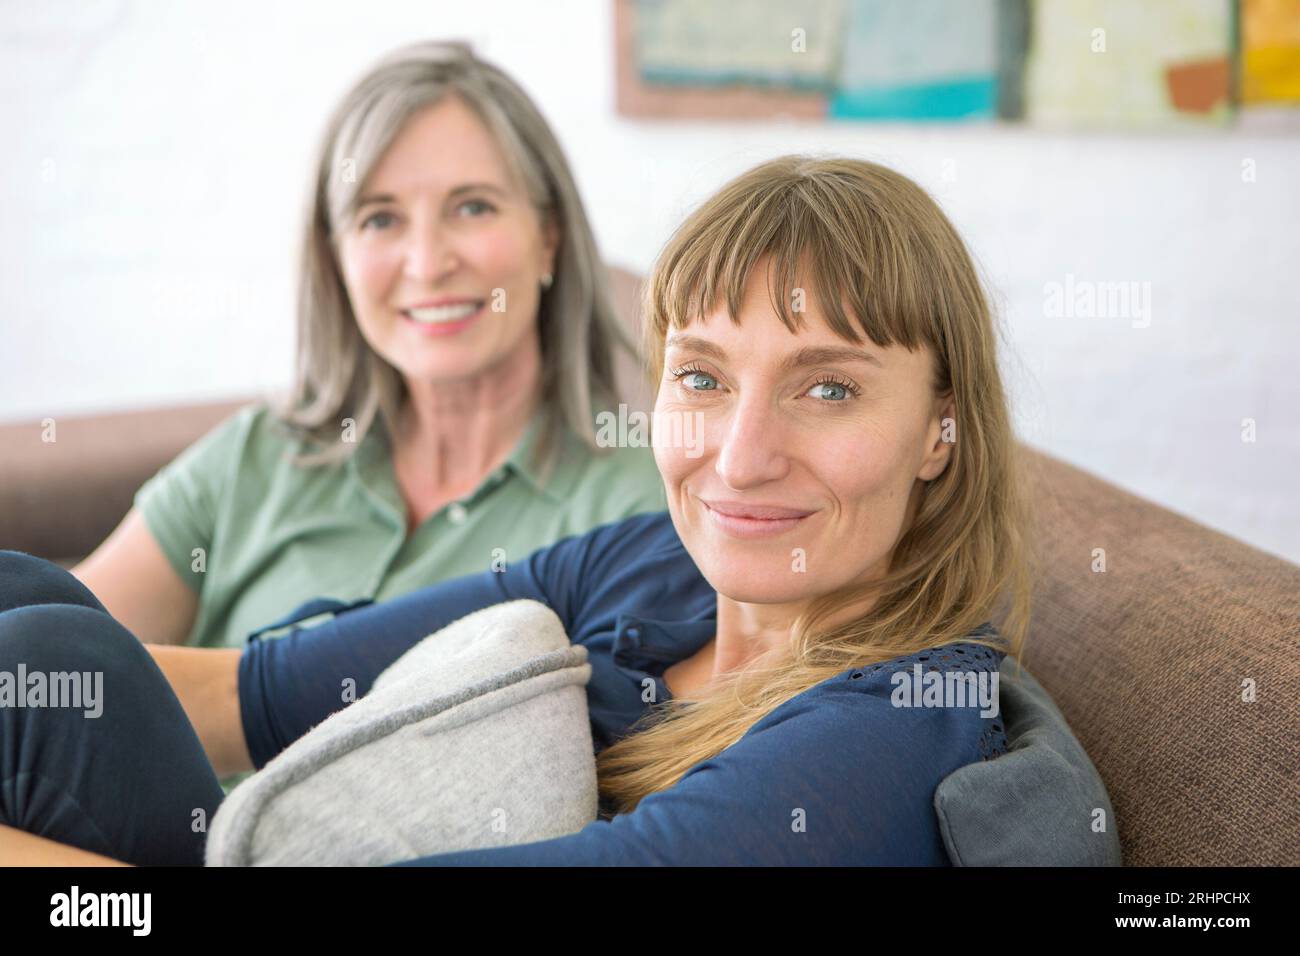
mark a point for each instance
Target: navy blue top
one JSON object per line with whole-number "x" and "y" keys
{"x": 838, "y": 775}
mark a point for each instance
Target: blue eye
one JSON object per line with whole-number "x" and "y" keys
{"x": 833, "y": 390}
{"x": 369, "y": 221}
{"x": 684, "y": 372}
{"x": 485, "y": 206}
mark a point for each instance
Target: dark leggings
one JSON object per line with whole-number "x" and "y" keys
{"x": 132, "y": 783}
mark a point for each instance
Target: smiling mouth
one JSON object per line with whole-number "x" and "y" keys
{"x": 745, "y": 527}
{"x": 443, "y": 314}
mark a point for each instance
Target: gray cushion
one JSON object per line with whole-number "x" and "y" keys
{"x": 476, "y": 737}
{"x": 1036, "y": 805}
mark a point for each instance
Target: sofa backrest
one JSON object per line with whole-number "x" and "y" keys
{"x": 60, "y": 498}
{"x": 1178, "y": 668}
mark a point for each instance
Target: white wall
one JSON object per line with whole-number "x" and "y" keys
{"x": 157, "y": 158}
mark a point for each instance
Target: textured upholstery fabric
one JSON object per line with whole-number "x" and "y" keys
{"x": 1152, "y": 660}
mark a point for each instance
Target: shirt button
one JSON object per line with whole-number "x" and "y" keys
{"x": 456, "y": 513}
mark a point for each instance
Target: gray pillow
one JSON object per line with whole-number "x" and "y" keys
{"x": 1036, "y": 804}
{"x": 476, "y": 737}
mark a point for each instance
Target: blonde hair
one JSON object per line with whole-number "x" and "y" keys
{"x": 337, "y": 374}
{"x": 854, "y": 229}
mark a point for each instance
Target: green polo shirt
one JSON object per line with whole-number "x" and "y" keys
{"x": 256, "y": 536}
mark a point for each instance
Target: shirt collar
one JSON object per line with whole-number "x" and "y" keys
{"x": 372, "y": 465}
{"x": 646, "y": 645}
{"x": 373, "y": 462}
{"x": 559, "y": 485}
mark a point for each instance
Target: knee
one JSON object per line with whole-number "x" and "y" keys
{"x": 59, "y": 637}
{"x": 26, "y": 580}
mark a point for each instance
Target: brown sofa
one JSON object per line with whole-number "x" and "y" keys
{"x": 1148, "y": 660}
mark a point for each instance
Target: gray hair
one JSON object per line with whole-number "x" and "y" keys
{"x": 337, "y": 374}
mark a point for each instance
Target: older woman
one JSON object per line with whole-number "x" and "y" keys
{"x": 855, "y": 516}
{"x": 456, "y": 343}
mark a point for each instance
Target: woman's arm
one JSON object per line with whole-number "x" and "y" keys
{"x": 287, "y": 685}
{"x": 839, "y": 779}
{"x": 138, "y": 585}
{"x": 206, "y": 681}
{"x": 18, "y": 848}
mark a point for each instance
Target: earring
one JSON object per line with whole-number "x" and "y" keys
{"x": 547, "y": 279}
